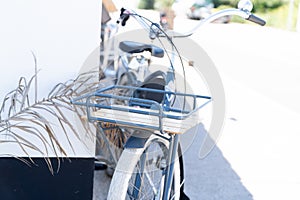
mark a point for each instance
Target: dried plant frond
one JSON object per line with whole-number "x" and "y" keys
{"x": 21, "y": 117}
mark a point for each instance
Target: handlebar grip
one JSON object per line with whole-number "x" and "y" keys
{"x": 257, "y": 20}
{"x": 123, "y": 17}
{"x": 126, "y": 17}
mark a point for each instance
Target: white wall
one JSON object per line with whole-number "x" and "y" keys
{"x": 61, "y": 33}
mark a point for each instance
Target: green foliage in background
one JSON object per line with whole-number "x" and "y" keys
{"x": 146, "y": 4}
{"x": 231, "y": 3}
{"x": 278, "y": 17}
{"x": 265, "y": 5}
{"x": 155, "y": 4}
{"x": 275, "y": 12}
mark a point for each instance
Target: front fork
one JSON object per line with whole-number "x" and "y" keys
{"x": 173, "y": 147}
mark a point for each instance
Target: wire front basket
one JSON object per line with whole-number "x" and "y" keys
{"x": 124, "y": 109}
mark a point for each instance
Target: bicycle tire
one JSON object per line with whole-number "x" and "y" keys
{"x": 124, "y": 182}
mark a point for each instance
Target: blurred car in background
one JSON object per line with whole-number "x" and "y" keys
{"x": 200, "y": 9}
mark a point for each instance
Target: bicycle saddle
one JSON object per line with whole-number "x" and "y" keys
{"x": 136, "y": 47}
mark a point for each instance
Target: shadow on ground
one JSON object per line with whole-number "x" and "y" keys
{"x": 211, "y": 178}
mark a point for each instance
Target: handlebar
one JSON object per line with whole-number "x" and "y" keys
{"x": 233, "y": 11}
{"x": 247, "y": 15}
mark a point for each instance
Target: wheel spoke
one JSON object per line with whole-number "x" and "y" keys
{"x": 146, "y": 182}
{"x": 139, "y": 176}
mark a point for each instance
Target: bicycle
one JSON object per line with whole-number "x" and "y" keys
{"x": 150, "y": 166}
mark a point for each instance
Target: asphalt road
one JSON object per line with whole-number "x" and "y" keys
{"x": 257, "y": 155}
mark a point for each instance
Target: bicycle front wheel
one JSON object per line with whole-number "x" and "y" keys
{"x": 140, "y": 173}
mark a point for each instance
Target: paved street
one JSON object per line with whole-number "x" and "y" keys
{"x": 260, "y": 70}
{"x": 257, "y": 155}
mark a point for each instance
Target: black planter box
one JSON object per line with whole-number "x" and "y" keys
{"x": 73, "y": 181}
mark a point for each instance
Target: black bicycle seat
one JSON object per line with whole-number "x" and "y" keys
{"x": 136, "y": 47}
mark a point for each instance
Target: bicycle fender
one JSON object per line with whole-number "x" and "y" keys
{"x": 136, "y": 142}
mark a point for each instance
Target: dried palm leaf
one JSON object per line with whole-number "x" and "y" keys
{"x": 20, "y": 117}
